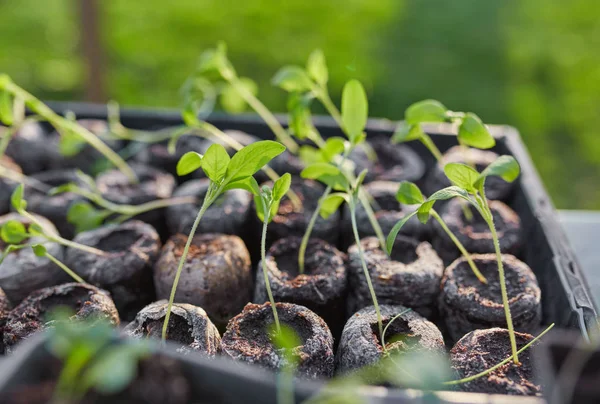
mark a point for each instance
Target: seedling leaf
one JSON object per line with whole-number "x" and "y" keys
{"x": 391, "y": 238}
{"x": 189, "y": 162}
{"x": 252, "y": 158}
{"x": 317, "y": 68}
{"x": 248, "y": 184}
{"x": 215, "y": 161}
{"x": 461, "y": 175}
{"x": 406, "y": 132}
{"x": 292, "y": 78}
{"x": 354, "y": 109}
{"x": 333, "y": 146}
{"x": 472, "y": 132}
{"x": 13, "y": 232}
{"x": 39, "y": 250}
{"x": 281, "y": 186}
{"x": 6, "y": 108}
{"x": 310, "y": 155}
{"x": 425, "y": 111}
{"x": 300, "y": 123}
{"x": 232, "y": 101}
{"x": 16, "y": 199}
{"x": 505, "y": 167}
{"x": 409, "y": 194}
{"x": 85, "y": 216}
{"x": 318, "y": 170}
{"x": 360, "y": 179}
{"x": 331, "y": 204}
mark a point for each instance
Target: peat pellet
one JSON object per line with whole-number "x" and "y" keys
{"x": 5, "y": 307}
{"x": 29, "y": 148}
{"x": 216, "y": 275}
{"x": 409, "y": 277}
{"x": 321, "y": 288}
{"x": 388, "y": 212}
{"x": 228, "y": 214}
{"x": 153, "y": 184}
{"x": 291, "y": 222}
{"x": 7, "y": 186}
{"x": 55, "y": 207}
{"x": 131, "y": 249}
{"x": 395, "y": 162}
{"x": 466, "y": 304}
{"x": 360, "y": 344}
{"x": 495, "y": 187}
{"x": 480, "y": 350}
{"x": 30, "y": 315}
{"x": 189, "y": 327}
{"x": 22, "y": 271}
{"x": 475, "y": 234}
{"x": 248, "y": 339}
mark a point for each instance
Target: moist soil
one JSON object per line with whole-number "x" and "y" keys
{"x": 29, "y": 148}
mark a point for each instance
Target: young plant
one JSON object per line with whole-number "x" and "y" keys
{"x": 267, "y": 204}
{"x": 410, "y": 194}
{"x": 286, "y": 340}
{"x": 224, "y": 173}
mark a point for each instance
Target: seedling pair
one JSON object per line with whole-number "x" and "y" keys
{"x": 224, "y": 173}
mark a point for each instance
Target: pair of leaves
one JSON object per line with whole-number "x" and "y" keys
{"x": 267, "y": 201}
{"x": 471, "y": 180}
{"x": 297, "y": 79}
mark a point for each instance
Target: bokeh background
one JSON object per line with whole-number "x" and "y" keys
{"x": 534, "y": 64}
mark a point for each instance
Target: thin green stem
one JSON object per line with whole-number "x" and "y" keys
{"x": 388, "y": 324}
{"x": 209, "y": 198}
{"x": 364, "y": 265}
{"x": 323, "y": 96}
{"x": 426, "y": 140}
{"x": 460, "y": 246}
{"x": 18, "y": 177}
{"x": 263, "y": 259}
{"x": 285, "y": 394}
{"x": 65, "y": 268}
{"x": 309, "y": 229}
{"x": 10, "y": 132}
{"x": 364, "y": 200}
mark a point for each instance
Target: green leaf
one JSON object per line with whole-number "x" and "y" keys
{"x": 232, "y": 101}
{"x": 409, "y": 194}
{"x": 300, "y": 122}
{"x": 461, "y": 175}
{"x": 189, "y": 162}
{"x": 70, "y": 143}
{"x": 85, "y": 217}
{"x": 36, "y": 230}
{"x": 333, "y": 146}
{"x": 6, "y": 108}
{"x": 292, "y": 78}
{"x": 424, "y": 211}
{"x": 391, "y": 238}
{"x": 16, "y": 199}
{"x": 317, "y": 170}
{"x": 406, "y": 132}
{"x": 13, "y": 232}
{"x": 505, "y": 167}
{"x": 281, "y": 186}
{"x": 261, "y": 203}
{"x": 360, "y": 179}
{"x": 337, "y": 182}
{"x": 317, "y": 68}
{"x": 215, "y": 161}
{"x": 39, "y": 250}
{"x": 472, "y": 132}
{"x": 252, "y": 158}
{"x": 213, "y": 59}
{"x": 331, "y": 204}
{"x": 248, "y": 184}
{"x": 199, "y": 96}
{"x": 354, "y": 109}
{"x": 310, "y": 155}
{"x": 425, "y": 111}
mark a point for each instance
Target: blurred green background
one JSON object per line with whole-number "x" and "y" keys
{"x": 534, "y": 64}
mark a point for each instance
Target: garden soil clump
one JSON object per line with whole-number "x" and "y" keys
{"x": 189, "y": 326}
{"x": 5, "y": 307}
{"x": 247, "y": 339}
{"x": 29, "y": 148}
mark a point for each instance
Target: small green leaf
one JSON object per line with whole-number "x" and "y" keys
{"x": 333, "y": 146}
{"x": 252, "y": 158}
{"x": 391, "y": 238}
{"x": 472, "y": 132}
{"x": 300, "y": 122}
{"x": 406, "y": 132}
{"x": 281, "y": 186}
{"x": 189, "y": 162}
{"x": 248, "y": 184}
{"x": 331, "y": 204}
{"x": 337, "y": 182}
{"x": 39, "y": 250}
{"x": 449, "y": 193}
{"x": 70, "y": 143}
{"x": 292, "y": 78}
{"x": 36, "y": 230}
{"x": 310, "y": 155}
{"x": 424, "y": 211}
{"x": 355, "y": 109}
{"x": 16, "y": 199}
{"x": 409, "y": 194}
{"x": 232, "y": 101}
{"x": 505, "y": 167}
{"x": 13, "y": 232}
{"x": 425, "y": 111}
{"x": 317, "y": 68}
{"x": 6, "y": 108}
{"x": 260, "y": 206}
{"x": 317, "y": 170}
{"x": 85, "y": 217}
{"x": 215, "y": 161}
{"x": 213, "y": 59}
{"x": 360, "y": 179}
{"x": 461, "y": 175}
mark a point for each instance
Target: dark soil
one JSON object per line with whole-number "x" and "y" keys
{"x": 189, "y": 326}
{"x": 126, "y": 271}
{"x": 29, "y": 148}
{"x": 22, "y": 271}
{"x": 5, "y": 307}
{"x": 411, "y": 277}
{"x": 466, "y": 304}
{"x": 475, "y": 234}
{"x": 482, "y": 349}
{"x": 322, "y": 287}
{"x": 247, "y": 339}
{"x": 7, "y": 186}
{"x": 31, "y": 314}
{"x": 216, "y": 276}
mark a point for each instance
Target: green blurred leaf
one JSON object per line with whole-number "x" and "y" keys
{"x": 461, "y": 175}
{"x": 232, "y": 101}
{"x": 13, "y": 232}
{"x": 70, "y": 143}
{"x": 318, "y": 170}
{"x": 310, "y": 155}
{"x": 405, "y": 132}
{"x": 300, "y": 122}
{"x": 425, "y": 111}
{"x": 281, "y": 186}
{"x": 189, "y": 162}
{"x": 360, "y": 178}
{"x": 317, "y": 68}
{"x": 252, "y": 158}
{"x": 248, "y": 184}
{"x": 286, "y": 340}
{"x": 6, "y": 108}
{"x": 331, "y": 204}
{"x": 84, "y": 216}
{"x": 333, "y": 146}
{"x": 16, "y": 199}
{"x": 391, "y": 238}
{"x": 292, "y": 78}
{"x": 505, "y": 167}
{"x": 215, "y": 161}
{"x": 409, "y": 194}
{"x": 39, "y": 250}
{"x": 355, "y": 109}
{"x": 472, "y": 132}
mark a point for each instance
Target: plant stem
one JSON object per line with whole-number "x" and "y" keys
{"x": 364, "y": 265}
{"x": 426, "y": 140}
{"x": 460, "y": 246}
{"x": 364, "y": 200}
{"x": 65, "y": 268}
{"x": 388, "y": 324}
{"x": 208, "y": 200}
{"x": 285, "y": 394}
{"x": 504, "y": 362}
{"x": 18, "y": 177}
{"x": 323, "y": 96}
{"x": 309, "y": 229}
{"x": 58, "y": 121}
{"x": 263, "y": 259}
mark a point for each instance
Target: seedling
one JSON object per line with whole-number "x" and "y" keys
{"x": 224, "y": 173}
{"x": 410, "y": 194}
{"x": 267, "y": 204}
{"x": 73, "y": 135}
{"x": 397, "y": 316}
{"x": 286, "y": 340}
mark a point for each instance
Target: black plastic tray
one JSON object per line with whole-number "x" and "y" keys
{"x": 565, "y": 297}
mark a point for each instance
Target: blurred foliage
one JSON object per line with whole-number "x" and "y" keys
{"x": 534, "y": 64}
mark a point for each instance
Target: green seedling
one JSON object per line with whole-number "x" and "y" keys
{"x": 74, "y": 133}
{"x": 91, "y": 360}
{"x": 410, "y": 194}
{"x": 397, "y": 316}
{"x": 267, "y": 204}
{"x": 224, "y": 173}
{"x": 286, "y": 340}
